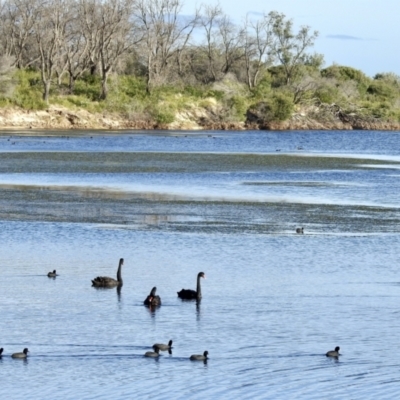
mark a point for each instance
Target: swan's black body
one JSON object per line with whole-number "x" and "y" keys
{"x": 189, "y": 294}
{"x": 152, "y": 299}
{"x": 107, "y": 282}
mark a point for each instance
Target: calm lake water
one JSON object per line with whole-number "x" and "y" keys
{"x": 173, "y": 204}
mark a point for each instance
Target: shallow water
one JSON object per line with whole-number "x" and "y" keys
{"x": 173, "y": 204}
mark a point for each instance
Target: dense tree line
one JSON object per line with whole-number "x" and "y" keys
{"x": 66, "y": 40}
{"x": 72, "y": 37}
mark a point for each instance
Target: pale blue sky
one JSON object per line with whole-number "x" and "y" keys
{"x": 363, "y": 34}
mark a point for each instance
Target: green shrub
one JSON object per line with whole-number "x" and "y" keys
{"x": 279, "y": 107}
{"x": 377, "y": 109}
{"x": 197, "y": 92}
{"x": 395, "y": 114}
{"x": 382, "y": 90}
{"x": 263, "y": 89}
{"x": 238, "y": 106}
{"x": 343, "y": 73}
{"x": 29, "y": 92}
{"x": 29, "y": 102}
{"x": 278, "y": 76}
{"x": 162, "y": 112}
{"x": 217, "y": 94}
{"x": 132, "y": 86}
{"x": 4, "y": 102}
{"x": 164, "y": 117}
{"x": 327, "y": 94}
{"x": 282, "y": 106}
{"x": 165, "y": 91}
{"x": 78, "y": 101}
{"x": 88, "y": 86}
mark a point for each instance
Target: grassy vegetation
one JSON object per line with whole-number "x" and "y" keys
{"x": 227, "y": 100}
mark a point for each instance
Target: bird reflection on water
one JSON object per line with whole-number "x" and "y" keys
{"x": 198, "y": 308}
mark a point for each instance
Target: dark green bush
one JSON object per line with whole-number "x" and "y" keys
{"x": 382, "y": 90}
{"x": 378, "y": 109}
{"x": 278, "y": 107}
{"x": 282, "y": 106}
{"x": 164, "y": 117}
{"x": 327, "y": 94}
{"x": 344, "y": 73}
{"x": 263, "y": 89}
{"x": 238, "y": 106}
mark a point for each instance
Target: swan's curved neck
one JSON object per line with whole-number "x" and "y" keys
{"x": 119, "y": 274}
{"x": 198, "y": 289}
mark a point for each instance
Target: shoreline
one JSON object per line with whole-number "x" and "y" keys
{"x": 66, "y": 120}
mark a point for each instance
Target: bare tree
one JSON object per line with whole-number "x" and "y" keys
{"x": 88, "y": 23}
{"x": 5, "y": 29}
{"x": 165, "y": 35}
{"x": 49, "y": 32}
{"x": 258, "y": 41}
{"x": 222, "y": 48}
{"x": 209, "y": 21}
{"x": 18, "y": 20}
{"x": 79, "y": 45}
{"x": 109, "y": 33}
{"x": 231, "y": 43}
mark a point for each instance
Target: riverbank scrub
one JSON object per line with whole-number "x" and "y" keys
{"x": 336, "y": 102}
{"x": 143, "y": 65}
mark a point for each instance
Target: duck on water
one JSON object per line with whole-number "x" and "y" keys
{"x": 154, "y": 354}
{"x": 23, "y": 354}
{"x": 163, "y": 346}
{"x": 334, "y": 353}
{"x": 199, "y": 357}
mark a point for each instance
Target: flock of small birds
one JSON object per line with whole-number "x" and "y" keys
{"x": 152, "y": 300}
{"x": 157, "y": 347}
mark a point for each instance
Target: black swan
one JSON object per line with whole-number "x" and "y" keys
{"x": 105, "y": 281}
{"x": 199, "y": 357}
{"x": 189, "y": 294}
{"x": 154, "y": 353}
{"x": 152, "y": 299}
{"x": 299, "y": 230}
{"x": 52, "y": 274}
{"x": 164, "y": 347}
{"x": 334, "y": 353}
{"x": 24, "y": 354}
